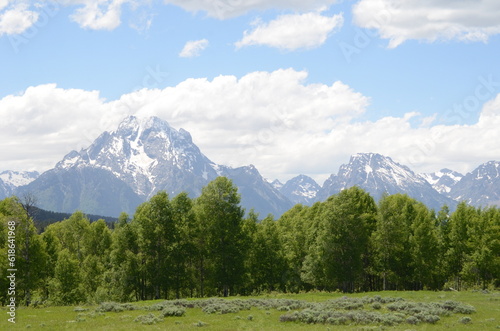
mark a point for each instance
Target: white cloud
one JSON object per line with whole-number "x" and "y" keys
{"x": 224, "y": 9}
{"x": 3, "y": 4}
{"x": 41, "y": 125}
{"x": 275, "y": 120}
{"x": 293, "y": 31}
{"x": 401, "y": 20}
{"x": 17, "y": 16}
{"x": 16, "y": 19}
{"x": 98, "y": 14}
{"x": 193, "y": 48}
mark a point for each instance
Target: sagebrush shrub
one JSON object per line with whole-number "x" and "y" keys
{"x": 148, "y": 319}
{"x": 114, "y": 307}
{"x": 464, "y": 309}
{"x": 412, "y": 320}
{"x": 465, "y": 320}
{"x": 173, "y": 311}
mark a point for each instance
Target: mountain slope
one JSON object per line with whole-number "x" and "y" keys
{"x": 301, "y": 189}
{"x": 443, "y": 180}
{"x": 92, "y": 190}
{"x": 256, "y": 192}
{"x": 481, "y": 187}
{"x": 379, "y": 174}
{"x": 10, "y": 180}
{"x": 123, "y": 168}
{"x": 148, "y": 155}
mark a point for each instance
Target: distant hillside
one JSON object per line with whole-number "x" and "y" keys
{"x": 44, "y": 218}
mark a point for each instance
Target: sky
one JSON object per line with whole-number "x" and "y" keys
{"x": 292, "y": 87}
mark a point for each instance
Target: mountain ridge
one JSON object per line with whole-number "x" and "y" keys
{"x": 125, "y": 167}
{"x": 378, "y": 175}
{"x": 135, "y": 161}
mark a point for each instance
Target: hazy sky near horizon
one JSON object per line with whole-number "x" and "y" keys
{"x": 293, "y": 87}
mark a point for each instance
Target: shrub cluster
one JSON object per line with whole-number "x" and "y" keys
{"x": 114, "y": 307}
{"x": 350, "y": 311}
{"x": 465, "y": 320}
{"x": 345, "y": 303}
{"x": 280, "y": 304}
{"x": 221, "y": 306}
{"x": 434, "y": 308}
{"x": 378, "y": 310}
{"x": 148, "y": 319}
{"x": 173, "y": 311}
{"x": 327, "y": 316}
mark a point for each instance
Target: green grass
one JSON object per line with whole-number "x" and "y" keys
{"x": 486, "y": 317}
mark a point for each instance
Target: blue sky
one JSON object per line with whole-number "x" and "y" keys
{"x": 391, "y": 71}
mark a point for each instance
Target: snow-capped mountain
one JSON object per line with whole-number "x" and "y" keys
{"x": 443, "y": 180}
{"x": 148, "y": 155}
{"x": 10, "y": 180}
{"x": 481, "y": 187}
{"x": 123, "y": 168}
{"x": 378, "y": 174}
{"x": 301, "y": 189}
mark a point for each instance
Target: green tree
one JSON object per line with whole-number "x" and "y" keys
{"x": 267, "y": 265}
{"x": 29, "y": 248}
{"x": 125, "y": 273}
{"x": 348, "y": 219}
{"x": 66, "y": 286}
{"x": 183, "y": 248}
{"x": 222, "y": 216}
{"x": 425, "y": 248}
{"x": 482, "y": 264}
{"x": 391, "y": 242}
{"x": 459, "y": 246}
{"x": 293, "y": 228}
{"x": 156, "y": 230}
{"x": 73, "y": 234}
{"x": 97, "y": 261}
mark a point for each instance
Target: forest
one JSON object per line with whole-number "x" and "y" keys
{"x": 178, "y": 247}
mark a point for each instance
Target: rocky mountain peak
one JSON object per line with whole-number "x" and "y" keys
{"x": 141, "y": 157}
{"x": 480, "y": 187}
{"x": 443, "y": 180}
{"x": 10, "y": 180}
{"x": 301, "y": 189}
{"x": 379, "y": 174}
{"x": 143, "y": 152}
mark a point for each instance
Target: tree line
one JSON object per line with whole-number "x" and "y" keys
{"x": 181, "y": 247}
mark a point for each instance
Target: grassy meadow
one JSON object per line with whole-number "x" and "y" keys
{"x": 265, "y": 312}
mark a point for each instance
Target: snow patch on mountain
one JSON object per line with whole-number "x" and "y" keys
{"x": 144, "y": 153}
{"x": 443, "y": 180}
{"x": 378, "y": 174}
{"x": 18, "y": 178}
{"x": 301, "y": 189}
{"x": 480, "y": 187}
{"x": 276, "y": 184}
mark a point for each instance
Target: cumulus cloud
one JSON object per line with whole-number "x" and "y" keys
{"x": 44, "y": 123}
{"x": 16, "y": 19}
{"x": 224, "y": 9}
{"x": 274, "y": 120}
{"x": 193, "y": 48}
{"x": 17, "y": 16}
{"x": 401, "y": 20}
{"x": 293, "y": 31}
{"x": 98, "y": 14}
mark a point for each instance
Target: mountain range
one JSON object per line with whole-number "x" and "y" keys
{"x": 125, "y": 167}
